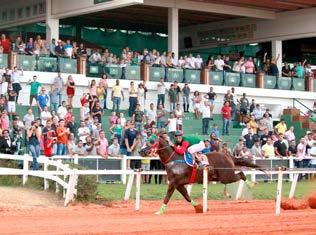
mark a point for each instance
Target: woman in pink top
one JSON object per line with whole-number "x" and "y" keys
{"x": 112, "y": 119}
{"x": 249, "y": 66}
{"x": 5, "y": 124}
{"x": 93, "y": 88}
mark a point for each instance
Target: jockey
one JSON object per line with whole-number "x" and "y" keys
{"x": 191, "y": 144}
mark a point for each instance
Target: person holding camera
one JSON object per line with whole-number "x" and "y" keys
{"x": 33, "y": 140}
{"x": 50, "y": 139}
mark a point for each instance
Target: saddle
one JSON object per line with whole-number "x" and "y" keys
{"x": 188, "y": 159}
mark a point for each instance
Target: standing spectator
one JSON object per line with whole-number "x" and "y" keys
{"x": 250, "y": 138}
{"x": 138, "y": 118}
{"x": 59, "y": 84}
{"x": 62, "y": 110}
{"x": 114, "y": 148}
{"x": 49, "y": 135}
{"x": 15, "y": 78}
{"x": 62, "y": 137}
{"x": 250, "y": 66}
{"x": 219, "y": 63}
{"x": 197, "y": 99}
{"x": 34, "y": 89}
{"x": 211, "y": 96}
{"x": 244, "y": 104}
{"x": 81, "y": 51}
{"x": 33, "y": 139}
{"x": 70, "y": 90}
{"x": 161, "y": 91}
{"x": 5, "y": 43}
{"x": 42, "y": 99}
{"x": 117, "y": 130}
{"x": 59, "y": 49}
{"x": 268, "y": 149}
{"x": 72, "y": 126}
{"x": 286, "y": 71}
{"x": 252, "y": 106}
{"x": 257, "y": 112}
{"x": 280, "y": 147}
{"x": 161, "y": 117}
{"x": 129, "y": 136}
{"x": 83, "y": 132}
{"x": 151, "y": 114}
{"x": 51, "y": 48}
{"x": 104, "y": 84}
{"x": 233, "y": 103}
{"x": 268, "y": 122}
{"x": 281, "y": 127}
{"x": 132, "y": 99}
{"x": 172, "y": 94}
{"x": 172, "y": 126}
{"x": 54, "y": 98}
{"x": 206, "y": 117}
{"x": 100, "y": 94}
{"x": 11, "y": 103}
{"x": 292, "y": 150}
{"x": 117, "y": 94}
{"x": 28, "y": 118}
{"x": 179, "y": 115}
{"x": 289, "y": 134}
{"x": 226, "y": 115}
{"x": 93, "y": 88}
{"x": 45, "y": 115}
{"x": 141, "y": 95}
{"x": 102, "y": 149}
{"x": 186, "y": 95}
{"x": 96, "y": 111}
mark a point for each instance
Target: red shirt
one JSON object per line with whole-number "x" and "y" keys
{"x": 6, "y": 45}
{"x": 226, "y": 112}
{"x": 181, "y": 149}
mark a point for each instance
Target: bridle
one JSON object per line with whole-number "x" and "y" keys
{"x": 156, "y": 144}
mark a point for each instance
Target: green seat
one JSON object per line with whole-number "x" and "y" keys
{"x": 174, "y": 75}
{"x": 94, "y": 70}
{"x": 248, "y": 80}
{"x": 114, "y": 71}
{"x": 47, "y": 64}
{"x": 269, "y": 82}
{"x": 232, "y": 79}
{"x": 298, "y": 84}
{"x": 192, "y": 76}
{"x": 3, "y": 60}
{"x": 26, "y": 62}
{"x": 67, "y": 65}
{"x": 132, "y": 72}
{"x": 155, "y": 73}
{"x": 284, "y": 83}
{"x": 216, "y": 78}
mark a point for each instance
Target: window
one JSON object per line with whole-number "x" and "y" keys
{"x": 20, "y": 13}
{"x": 35, "y": 8}
{"x": 28, "y": 11}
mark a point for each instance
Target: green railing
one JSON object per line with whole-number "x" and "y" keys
{"x": 3, "y": 60}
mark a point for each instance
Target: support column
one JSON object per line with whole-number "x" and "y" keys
{"x": 277, "y": 51}
{"x": 52, "y": 24}
{"x": 173, "y": 30}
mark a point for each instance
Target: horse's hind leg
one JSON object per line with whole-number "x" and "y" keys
{"x": 242, "y": 176}
{"x": 198, "y": 208}
{"x": 170, "y": 191}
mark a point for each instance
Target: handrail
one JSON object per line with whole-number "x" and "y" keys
{"x": 309, "y": 109}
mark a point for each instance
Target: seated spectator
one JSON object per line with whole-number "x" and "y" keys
{"x": 83, "y": 131}
{"x": 208, "y": 147}
{"x": 226, "y": 149}
{"x": 114, "y": 148}
{"x": 238, "y": 147}
{"x": 312, "y": 163}
{"x": 292, "y": 150}
{"x": 62, "y": 110}
{"x": 59, "y": 49}
{"x": 245, "y": 153}
{"x": 289, "y": 134}
{"x": 71, "y": 144}
{"x": 91, "y": 146}
{"x": 95, "y": 57}
{"x": 257, "y": 112}
{"x": 268, "y": 149}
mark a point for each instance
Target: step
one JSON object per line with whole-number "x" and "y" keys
{"x": 300, "y": 119}
{"x": 291, "y": 111}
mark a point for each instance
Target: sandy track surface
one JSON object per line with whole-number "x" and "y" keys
{"x": 224, "y": 217}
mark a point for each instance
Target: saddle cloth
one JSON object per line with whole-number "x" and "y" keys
{"x": 188, "y": 159}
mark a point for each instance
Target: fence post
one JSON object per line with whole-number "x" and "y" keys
{"x": 25, "y": 168}
{"x": 57, "y": 185}
{"x": 293, "y": 185}
{"x": 291, "y": 166}
{"x": 129, "y": 187}
{"x": 253, "y": 175}
{"x": 239, "y": 190}
{"x": 46, "y": 184}
{"x": 71, "y": 188}
{"x": 138, "y": 178}
{"x": 205, "y": 189}
{"x": 279, "y": 193}
{"x": 124, "y": 168}
{"x": 97, "y": 170}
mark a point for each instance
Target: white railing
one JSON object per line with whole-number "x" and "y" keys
{"x": 69, "y": 189}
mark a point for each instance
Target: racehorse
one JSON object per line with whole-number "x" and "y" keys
{"x": 221, "y": 169}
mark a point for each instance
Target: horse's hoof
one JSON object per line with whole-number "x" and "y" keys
{"x": 251, "y": 184}
{"x": 158, "y": 213}
{"x": 198, "y": 209}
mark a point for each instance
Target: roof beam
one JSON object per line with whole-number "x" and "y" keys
{"x": 213, "y": 8}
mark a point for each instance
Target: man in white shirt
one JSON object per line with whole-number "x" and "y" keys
{"x": 114, "y": 149}
{"x": 151, "y": 114}
{"x": 45, "y": 115}
{"x": 95, "y": 57}
{"x": 191, "y": 62}
{"x": 62, "y": 110}
{"x": 15, "y": 79}
{"x": 161, "y": 91}
{"x": 206, "y": 116}
{"x": 83, "y": 132}
{"x": 198, "y": 61}
{"x": 172, "y": 125}
{"x": 219, "y": 63}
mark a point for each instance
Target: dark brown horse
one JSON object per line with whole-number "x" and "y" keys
{"x": 221, "y": 169}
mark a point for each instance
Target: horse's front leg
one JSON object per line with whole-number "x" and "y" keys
{"x": 170, "y": 191}
{"x": 198, "y": 208}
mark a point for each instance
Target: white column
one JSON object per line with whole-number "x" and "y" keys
{"x": 277, "y": 52}
{"x": 173, "y": 30}
{"x": 52, "y": 24}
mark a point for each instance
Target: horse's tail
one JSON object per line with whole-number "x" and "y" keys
{"x": 247, "y": 163}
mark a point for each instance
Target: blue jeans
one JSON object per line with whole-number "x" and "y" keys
{"x": 161, "y": 124}
{"x": 116, "y": 104}
{"x": 205, "y": 125}
{"x": 132, "y": 105}
{"x": 54, "y": 107}
{"x": 61, "y": 149}
{"x": 172, "y": 107}
{"x": 161, "y": 100}
{"x": 226, "y": 124}
{"x": 35, "y": 151}
{"x": 234, "y": 111}
{"x": 186, "y": 100}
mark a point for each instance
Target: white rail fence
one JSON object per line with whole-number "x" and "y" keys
{"x": 70, "y": 187}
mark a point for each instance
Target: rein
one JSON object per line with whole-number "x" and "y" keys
{"x": 159, "y": 149}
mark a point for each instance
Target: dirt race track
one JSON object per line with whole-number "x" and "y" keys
{"x": 224, "y": 217}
